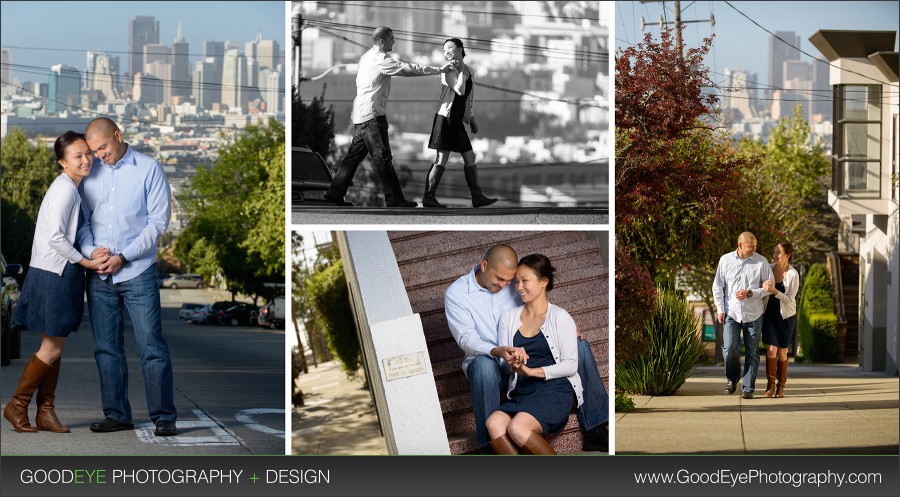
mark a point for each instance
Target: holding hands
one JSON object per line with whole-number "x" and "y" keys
{"x": 769, "y": 286}
{"x": 99, "y": 257}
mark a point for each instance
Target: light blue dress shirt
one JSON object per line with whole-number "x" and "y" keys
{"x": 733, "y": 274}
{"x": 127, "y": 207}
{"x": 473, "y": 313}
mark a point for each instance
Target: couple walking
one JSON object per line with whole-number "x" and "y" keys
{"x": 517, "y": 342}
{"x": 448, "y": 134}
{"x": 122, "y": 199}
{"x": 756, "y": 298}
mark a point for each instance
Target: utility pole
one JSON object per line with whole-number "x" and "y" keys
{"x": 296, "y": 35}
{"x": 677, "y": 22}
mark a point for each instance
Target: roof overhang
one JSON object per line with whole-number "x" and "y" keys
{"x": 887, "y": 63}
{"x": 838, "y": 44}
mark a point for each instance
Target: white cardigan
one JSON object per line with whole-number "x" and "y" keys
{"x": 560, "y": 331}
{"x": 788, "y": 296}
{"x": 454, "y": 83}
{"x": 56, "y": 227}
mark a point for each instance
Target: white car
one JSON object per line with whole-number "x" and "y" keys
{"x": 198, "y": 315}
{"x": 187, "y": 310}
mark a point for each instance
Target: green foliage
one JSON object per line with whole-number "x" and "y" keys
{"x": 303, "y": 309}
{"x": 233, "y": 208}
{"x": 624, "y": 403}
{"x": 313, "y": 124}
{"x": 26, "y": 172}
{"x": 816, "y": 322}
{"x": 329, "y": 294}
{"x": 635, "y": 297}
{"x": 674, "y": 347}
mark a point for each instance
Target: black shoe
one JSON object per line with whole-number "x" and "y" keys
{"x": 403, "y": 203}
{"x": 109, "y": 425}
{"x": 165, "y": 428}
{"x": 337, "y": 200}
{"x": 597, "y": 440}
{"x": 730, "y": 387}
{"x": 747, "y": 395}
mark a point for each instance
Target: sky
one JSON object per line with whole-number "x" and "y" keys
{"x": 103, "y": 26}
{"x": 741, "y": 44}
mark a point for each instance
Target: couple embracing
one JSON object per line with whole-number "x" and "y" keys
{"x": 121, "y": 198}
{"x": 517, "y": 342}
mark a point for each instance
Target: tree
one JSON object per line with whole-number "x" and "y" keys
{"x": 313, "y": 124}
{"x": 27, "y": 171}
{"x": 223, "y": 202}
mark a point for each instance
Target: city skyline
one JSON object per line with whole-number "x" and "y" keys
{"x": 739, "y": 44}
{"x": 238, "y": 22}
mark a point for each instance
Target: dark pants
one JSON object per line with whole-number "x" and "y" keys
{"x": 370, "y": 137}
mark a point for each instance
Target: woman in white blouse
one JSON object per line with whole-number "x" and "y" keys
{"x": 448, "y": 133}
{"x": 544, "y": 386}
{"x": 780, "y": 318}
{"x": 52, "y": 300}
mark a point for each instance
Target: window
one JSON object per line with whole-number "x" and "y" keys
{"x": 856, "y": 162}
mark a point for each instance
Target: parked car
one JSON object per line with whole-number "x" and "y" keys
{"x": 212, "y": 312}
{"x": 310, "y": 177}
{"x": 187, "y": 310}
{"x": 198, "y": 315}
{"x": 162, "y": 277}
{"x": 272, "y": 315}
{"x": 239, "y": 313}
{"x": 10, "y": 335}
{"x": 184, "y": 281}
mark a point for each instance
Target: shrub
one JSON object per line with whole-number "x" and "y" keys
{"x": 673, "y": 348}
{"x": 624, "y": 403}
{"x": 331, "y": 298}
{"x": 635, "y": 297}
{"x": 816, "y": 321}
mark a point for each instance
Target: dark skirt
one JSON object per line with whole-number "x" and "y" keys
{"x": 777, "y": 331}
{"x": 549, "y": 401}
{"x": 51, "y": 303}
{"x": 447, "y": 134}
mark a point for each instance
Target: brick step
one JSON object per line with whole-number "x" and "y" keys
{"x": 572, "y": 285}
{"x": 568, "y": 441}
{"x": 450, "y": 266}
{"x": 410, "y": 247}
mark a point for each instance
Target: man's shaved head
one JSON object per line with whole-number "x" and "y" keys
{"x": 746, "y": 237}
{"x": 746, "y": 244}
{"x": 501, "y": 256}
{"x": 380, "y": 33}
{"x": 102, "y": 126}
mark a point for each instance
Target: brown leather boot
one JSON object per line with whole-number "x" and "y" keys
{"x": 538, "y": 445}
{"x": 504, "y": 446}
{"x": 46, "y": 419}
{"x": 771, "y": 366}
{"x": 781, "y": 374}
{"x": 16, "y": 410}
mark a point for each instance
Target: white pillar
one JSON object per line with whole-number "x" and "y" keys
{"x": 393, "y": 344}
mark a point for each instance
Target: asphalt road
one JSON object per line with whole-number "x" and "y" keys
{"x": 451, "y": 216}
{"x": 229, "y": 391}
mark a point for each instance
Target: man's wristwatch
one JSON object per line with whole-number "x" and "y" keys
{"x": 749, "y": 293}
{"x": 124, "y": 260}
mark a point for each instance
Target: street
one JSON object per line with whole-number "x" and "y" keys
{"x": 229, "y": 390}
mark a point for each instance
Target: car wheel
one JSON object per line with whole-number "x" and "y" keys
{"x": 234, "y": 322}
{"x": 201, "y": 286}
{"x": 173, "y": 286}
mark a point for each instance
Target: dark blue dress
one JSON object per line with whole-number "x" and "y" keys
{"x": 549, "y": 401}
{"x": 777, "y": 331}
{"x": 52, "y": 303}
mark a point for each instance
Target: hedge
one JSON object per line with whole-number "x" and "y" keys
{"x": 816, "y": 321}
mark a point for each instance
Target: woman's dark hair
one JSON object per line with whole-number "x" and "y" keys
{"x": 788, "y": 249}
{"x": 458, "y": 43}
{"x": 541, "y": 266}
{"x": 63, "y": 142}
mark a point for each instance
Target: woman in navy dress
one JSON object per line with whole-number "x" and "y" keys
{"x": 780, "y": 318}
{"x": 448, "y": 134}
{"x": 545, "y": 386}
{"x": 52, "y": 300}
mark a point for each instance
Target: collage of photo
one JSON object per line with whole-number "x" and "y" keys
{"x": 398, "y": 228}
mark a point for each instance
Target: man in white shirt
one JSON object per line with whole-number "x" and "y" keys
{"x": 370, "y": 137}
{"x": 740, "y": 305}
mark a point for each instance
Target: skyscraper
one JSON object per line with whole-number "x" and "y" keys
{"x": 6, "y": 57}
{"x": 779, "y": 53}
{"x": 65, "y": 88}
{"x": 181, "y": 66}
{"x": 141, "y": 31}
{"x": 104, "y": 74}
{"x": 234, "y": 78}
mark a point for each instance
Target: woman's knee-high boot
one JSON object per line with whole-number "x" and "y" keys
{"x": 504, "y": 445}
{"x": 46, "y": 419}
{"x": 478, "y": 198}
{"x": 16, "y": 410}
{"x": 538, "y": 445}
{"x": 431, "y": 184}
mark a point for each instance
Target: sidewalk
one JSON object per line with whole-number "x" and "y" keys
{"x": 337, "y": 417}
{"x": 827, "y": 409}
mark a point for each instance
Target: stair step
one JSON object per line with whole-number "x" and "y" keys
{"x": 410, "y": 247}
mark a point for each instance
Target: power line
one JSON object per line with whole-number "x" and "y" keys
{"x": 80, "y": 50}
{"x": 508, "y": 90}
{"x": 464, "y": 11}
{"x": 801, "y": 50}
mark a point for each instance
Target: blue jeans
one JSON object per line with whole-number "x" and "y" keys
{"x": 369, "y": 138}
{"x": 107, "y": 303}
{"x": 486, "y": 380}
{"x": 731, "y": 348}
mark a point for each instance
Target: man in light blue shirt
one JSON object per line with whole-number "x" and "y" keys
{"x": 473, "y": 305}
{"x": 126, "y": 206}
{"x": 740, "y": 305}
